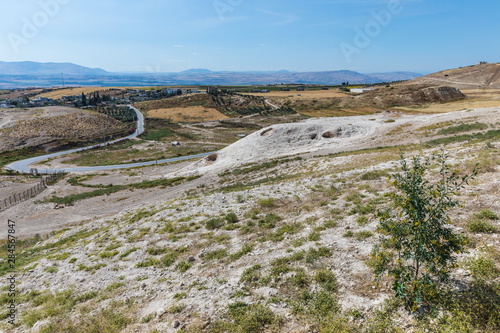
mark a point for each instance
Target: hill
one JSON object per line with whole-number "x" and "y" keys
{"x": 50, "y": 68}
{"x": 484, "y": 76}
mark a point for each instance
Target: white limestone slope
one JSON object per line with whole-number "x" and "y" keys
{"x": 290, "y": 139}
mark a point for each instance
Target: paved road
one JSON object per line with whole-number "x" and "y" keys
{"x": 23, "y": 165}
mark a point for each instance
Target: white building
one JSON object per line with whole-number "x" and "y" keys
{"x": 360, "y": 90}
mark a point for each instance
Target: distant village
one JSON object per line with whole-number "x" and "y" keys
{"x": 28, "y": 98}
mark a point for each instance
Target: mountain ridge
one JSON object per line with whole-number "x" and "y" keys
{"x": 48, "y": 74}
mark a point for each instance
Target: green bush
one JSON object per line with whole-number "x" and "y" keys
{"x": 232, "y": 218}
{"x": 246, "y": 318}
{"x": 267, "y": 203}
{"x": 326, "y": 279}
{"x": 104, "y": 321}
{"x": 216, "y": 254}
{"x": 482, "y": 268}
{"x": 415, "y": 230}
{"x": 375, "y": 174}
{"x": 481, "y": 226}
{"x": 486, "y": 214}
{"x": 362, "y": 220}
{"x": 269, "y": 221}
{"x": 363, "y": 234}
{"x": 214, "y": 223}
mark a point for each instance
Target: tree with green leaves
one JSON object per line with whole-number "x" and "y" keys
{"x": 417, "y": 245}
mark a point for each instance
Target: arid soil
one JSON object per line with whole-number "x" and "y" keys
{"x": 355, "y": 133}
{"x": 486, "y": 76}
{"x": 37, "y": 127}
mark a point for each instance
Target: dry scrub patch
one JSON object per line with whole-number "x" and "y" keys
{"x": 187, "y": 114}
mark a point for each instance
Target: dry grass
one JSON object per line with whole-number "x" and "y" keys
{"x": 187, "y": 114}
{"x": 303, "y": 94}
{"x": 476, "y": 98}
{"x": 58, "y": 94}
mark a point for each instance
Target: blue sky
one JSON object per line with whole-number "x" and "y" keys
{"x": 246, "y": 35}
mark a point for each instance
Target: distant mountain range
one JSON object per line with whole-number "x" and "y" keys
{"x": 50, "y": 68}
{"x": 33, "y": 74}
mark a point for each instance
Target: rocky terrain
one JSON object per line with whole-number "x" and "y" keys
{"x": 406, "y": 95}
{"x": 274, "y": 236}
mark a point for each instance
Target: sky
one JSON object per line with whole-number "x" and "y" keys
{"x": 153, "y": 36}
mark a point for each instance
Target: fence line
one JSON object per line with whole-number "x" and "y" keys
{"x": 32, "y": 192}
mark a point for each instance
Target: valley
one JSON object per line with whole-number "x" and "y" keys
{"x": 272, "y": 232}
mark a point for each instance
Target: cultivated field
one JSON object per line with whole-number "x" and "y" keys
{"x": 187, "y": 114}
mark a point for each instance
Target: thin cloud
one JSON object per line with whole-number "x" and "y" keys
{"x": 284, "y": 18}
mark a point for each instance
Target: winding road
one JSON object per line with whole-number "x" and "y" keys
{"x": 23, "y": 166}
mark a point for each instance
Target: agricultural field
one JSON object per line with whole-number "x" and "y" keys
{"x": 59, "y": 93}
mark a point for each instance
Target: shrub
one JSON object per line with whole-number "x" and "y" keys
{"x": 481, "y": 226}
{"x": 363, "y": 234}
{"x": 246, "y": 318}
{"x": 416, "y": 230}
{"x": 375, "y": 174}
{"x": 183, "y": 266}
{"x": 326, "y": 279}
{"x": 232, "y": 218}
{"x": 251, "y": 274}
{"x": 269, "y": 221}
{"x": 314, "y": 254}
{"x": 362, "y": 220}
{"x": 348, "y": 234}
{"x": 482, "y": 268}
{"x": 214, "y": 223}
{"x": 486, "y": 214}
{"x": 267, "y": 203}
{"x": 300, "y": 279}
{"x": 216, "y": 254}
{"x": 314, "y": 236}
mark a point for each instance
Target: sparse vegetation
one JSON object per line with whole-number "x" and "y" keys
{"x": 282, "y": 241}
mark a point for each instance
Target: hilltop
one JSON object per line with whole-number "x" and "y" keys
{"x": 483, "y": 76}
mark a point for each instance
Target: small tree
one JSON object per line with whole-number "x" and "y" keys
{"x": 417, "y": 246}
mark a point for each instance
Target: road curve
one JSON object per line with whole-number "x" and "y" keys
{"x": 23, "y": 165}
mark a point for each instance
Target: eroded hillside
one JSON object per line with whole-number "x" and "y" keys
{"x": 272, "y": 244}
